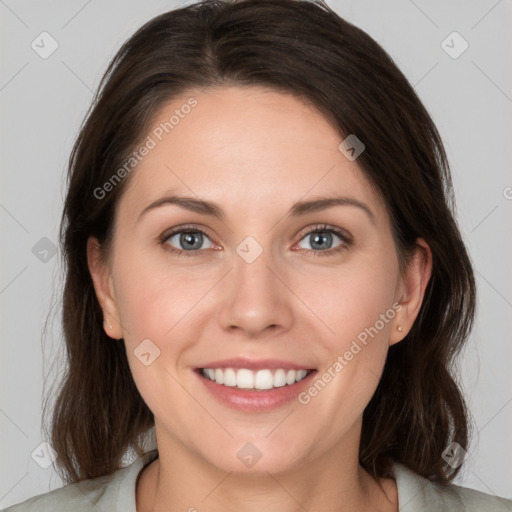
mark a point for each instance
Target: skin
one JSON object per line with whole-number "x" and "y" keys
{"x": 255, "y": 152}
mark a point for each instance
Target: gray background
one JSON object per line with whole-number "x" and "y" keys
{"x": 44, "y": 100}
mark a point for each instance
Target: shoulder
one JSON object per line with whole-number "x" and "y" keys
{"x": 115, "y": 492}
{"x": 418, "y": 494}
{"x": 79, "y": 497}
{"x": 476, "y": 500}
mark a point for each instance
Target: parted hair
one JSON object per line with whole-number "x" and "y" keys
{"x": 294, "y": 47}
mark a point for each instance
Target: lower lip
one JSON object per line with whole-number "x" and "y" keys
{"x": 252, "y": 400}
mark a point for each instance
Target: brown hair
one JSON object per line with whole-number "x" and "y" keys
{"x": 295, "y": 47}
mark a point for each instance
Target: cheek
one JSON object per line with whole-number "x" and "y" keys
{"x": 358, "y": 305}
{"x": 351, "y": 301}
{"x": 153, "y": 295}
{"x": 359, "y": 308}
{"x": 155, "y": 310}
{"x": 157, "y": 299}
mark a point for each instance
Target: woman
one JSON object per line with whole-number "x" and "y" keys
{"x": 263, "y": 265}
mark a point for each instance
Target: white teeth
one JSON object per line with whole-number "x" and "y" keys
{"x": 230, "y": 377}
{"x": 300, "y": 375}
{"x": 244, "y": 379}
{"x": 248, "y": 379}
{"x": 264, "y": 380}
{"x": 219, "y": 376}
{"x": 279, "y": 378}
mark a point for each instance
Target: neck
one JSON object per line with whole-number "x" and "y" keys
{"x": 180, "y": 481}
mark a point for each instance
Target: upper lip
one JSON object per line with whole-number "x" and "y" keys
{"x": 255, "y": 364}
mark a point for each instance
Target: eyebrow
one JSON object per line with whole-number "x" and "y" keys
{"x": 298, "y": 209}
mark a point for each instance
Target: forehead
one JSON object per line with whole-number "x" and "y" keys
{"x": 245, "y": 146}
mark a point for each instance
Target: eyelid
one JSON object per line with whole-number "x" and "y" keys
{"x": 185, "y": 227}
{"x": 342, "y": 233}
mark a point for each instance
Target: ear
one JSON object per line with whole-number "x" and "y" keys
{"x": 103, "y": 286}
{"x": 411, "y": 291}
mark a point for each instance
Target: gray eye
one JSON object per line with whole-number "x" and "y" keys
{"x": 320, "y": 240}
{"x": 188, "y": 240}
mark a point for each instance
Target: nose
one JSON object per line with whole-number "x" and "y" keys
{"x": 256, "y": 300}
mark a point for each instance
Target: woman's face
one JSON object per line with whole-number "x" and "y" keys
{"x": 271, "y": 284}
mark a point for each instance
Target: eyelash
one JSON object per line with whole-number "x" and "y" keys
{"x": 325, "y": 228}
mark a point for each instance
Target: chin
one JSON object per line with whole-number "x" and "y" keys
{"x": 257, "y": 457}
{"x": 261, "y": 467}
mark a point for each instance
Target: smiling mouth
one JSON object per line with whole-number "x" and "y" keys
{"x": 259, "y": 380}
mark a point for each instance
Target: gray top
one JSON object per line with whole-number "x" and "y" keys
{"x": 116, "y": 493}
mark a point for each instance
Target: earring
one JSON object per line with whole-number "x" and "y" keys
{"x": 109, "y": 323}
{"x": 399, "y": 328}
